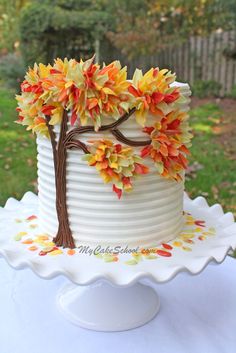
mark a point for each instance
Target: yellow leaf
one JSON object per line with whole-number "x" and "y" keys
{"x": 114, "y": 165}
{"x": 69, "y": 84}
{"x": 177, "y": 243}
{"x": 137, "y": 77}
{"x": 108, "y": 91}
{"x": 55, "y": 252}
{"x": 141, "y": 117}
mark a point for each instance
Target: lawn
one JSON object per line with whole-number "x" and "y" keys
{"x": 17, "y": 152}
{"x": 212, "y": 166}
{"x": 212, "y": 171}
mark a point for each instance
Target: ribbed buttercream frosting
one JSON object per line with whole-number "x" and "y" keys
{"x": 152, "y": 213}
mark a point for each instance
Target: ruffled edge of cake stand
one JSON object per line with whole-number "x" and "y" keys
{"x": 91, "y": 270}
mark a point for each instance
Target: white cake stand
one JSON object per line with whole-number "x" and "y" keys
{"x": 106, "y": 294}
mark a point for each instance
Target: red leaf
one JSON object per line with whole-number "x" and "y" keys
{"x": 146, "y": 151}
{"x": 133, "y": 91}
{"x": 118, "y": 147}
{"x": 200, "y": 223}
{"x": 20, "y": 119}
{"x": 110, "y": 172}
{"x": 26, "y": 88}
{"x": 163, "y": 253}
{"x": 167, "y": 246}
{"x": 47, "y": 109}
{"x": 31, "y": 218}
{"x": 73, "y": 118}
{"x": 157, "y": 97}
{"x": 169, "y": 98}
{"x": 155, "y": 72}
{"x": 117, "y": 191}
{"x": 148, "y": 129}
{"x": 42, "y": 253}
{"x": 76, "y": 92}
{"x": 126, "y": 181}
{"x": 54, "y": 71}
{"x": 174, "y": 124}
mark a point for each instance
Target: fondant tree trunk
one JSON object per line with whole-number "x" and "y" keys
{"x": 64, "y": 235}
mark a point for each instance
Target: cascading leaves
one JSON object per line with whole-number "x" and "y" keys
{"x": 95, "y": 95}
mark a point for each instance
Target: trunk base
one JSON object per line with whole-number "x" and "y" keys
{"x": 64, "y": 238}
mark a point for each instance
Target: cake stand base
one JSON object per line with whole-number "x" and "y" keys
{"x": 208, "y": 235}
{"x": 103, "y": 307}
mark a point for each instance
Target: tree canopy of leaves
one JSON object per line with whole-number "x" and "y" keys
{"x": 60, "y": 28}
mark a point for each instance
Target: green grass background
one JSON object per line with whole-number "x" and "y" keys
{"x": 17, "y": 152}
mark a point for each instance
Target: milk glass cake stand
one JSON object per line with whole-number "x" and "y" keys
{"x": 106, "y": 293}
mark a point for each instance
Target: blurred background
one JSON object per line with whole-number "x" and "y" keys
{"x": 194, "y": 38}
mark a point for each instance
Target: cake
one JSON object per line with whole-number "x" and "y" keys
{"x": 111, "y": 152}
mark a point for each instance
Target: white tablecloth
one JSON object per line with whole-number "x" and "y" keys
{"x": 198, "y": 315}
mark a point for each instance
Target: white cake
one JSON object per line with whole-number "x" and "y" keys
{"x": 151, "y": 214}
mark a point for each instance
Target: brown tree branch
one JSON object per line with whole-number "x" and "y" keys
{"x": 120, "y": 137}
{"x": 77, "y": 144}
{"x": 90, "y": 128}
{"x": 70, "y": 141}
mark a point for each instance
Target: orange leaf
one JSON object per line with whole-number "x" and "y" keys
{"x": 141, "y": 169}
{"x": 146, "y": 151}
{"x": 133, "y": 91}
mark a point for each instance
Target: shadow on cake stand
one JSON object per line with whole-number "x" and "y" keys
{"x": 108, "y": 291}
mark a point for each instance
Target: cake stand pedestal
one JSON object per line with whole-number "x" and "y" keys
{"x": 106, "y": 294}
{"x": 104, "y": 307}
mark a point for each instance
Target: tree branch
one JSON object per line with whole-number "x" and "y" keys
{"x": 120, "y": 137}
{"x": 90, "y": 128}
{"x": 76, "y": 144}
{"x": 70, "y": 142}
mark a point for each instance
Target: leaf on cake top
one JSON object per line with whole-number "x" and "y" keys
{"x": 153, "y": 93}
{"x": 88, "y": 91}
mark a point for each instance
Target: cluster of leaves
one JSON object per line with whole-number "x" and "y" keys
{"x": 170, "y": 139}
{"x": 94, "y": 94}
{"x": 116, "y": 164}
{"x": 87, "y": 90}
{"x": 148, "y": 98}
